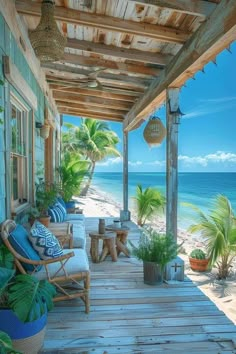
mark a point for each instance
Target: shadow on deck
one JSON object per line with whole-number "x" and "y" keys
{"x": 128, "y": 316}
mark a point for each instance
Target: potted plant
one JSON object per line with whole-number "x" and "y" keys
{"x": 46, "y": 194}
{"x": 198, "y": 260}
{"x": 155, "y": 250}
{"x": 24, "y": 303}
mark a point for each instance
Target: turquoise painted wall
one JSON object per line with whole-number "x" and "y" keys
{"x": 9, "y": 47}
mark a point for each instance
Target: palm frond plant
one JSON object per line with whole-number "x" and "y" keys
{"x": 148, "y": 203}
{"x": 6, "y": 345}
{"x": 72, "y": 171}
{"x": 219, "y": 230}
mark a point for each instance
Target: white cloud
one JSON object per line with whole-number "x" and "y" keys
{"x": 156, "y": 163}
{"x": 111, "y": 161}
{"x": 211, "y": 106}
{"x": 217, "y": 157}
{"x": 135, "y": 163}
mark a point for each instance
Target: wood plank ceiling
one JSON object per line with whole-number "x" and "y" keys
{"x": 121, "y": 55}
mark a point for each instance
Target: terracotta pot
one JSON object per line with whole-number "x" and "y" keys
{"x": 45, "y": 220}
{"x": 198, "y": 265}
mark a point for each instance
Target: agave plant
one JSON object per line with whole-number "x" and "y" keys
{"x": 219, "y": 230}
{"x": 148, "y": 202}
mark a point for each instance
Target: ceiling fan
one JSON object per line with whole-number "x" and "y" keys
{"x": 92, "y": 80}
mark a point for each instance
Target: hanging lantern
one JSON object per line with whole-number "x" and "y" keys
{"x": 154, "y": 132}
{"x": 47, "y": 41}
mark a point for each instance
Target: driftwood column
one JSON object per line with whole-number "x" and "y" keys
{"x": 172, "y": 118}
{"x": 125, "y": 214}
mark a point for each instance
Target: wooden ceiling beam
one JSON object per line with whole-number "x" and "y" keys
{"x": 190, "y": 7}
{"x": 216, "y": 34}
{"x": 93, "y": 101}
{"x": 95, "y": 109}
{"x": 109, "y": 64}
{"x": 86, "y": 114}
{"x": 120, "y": 52}
{"x": 92, "y": 92}
{"x": 64, "y": 70}
{"x": 107, "y": 23}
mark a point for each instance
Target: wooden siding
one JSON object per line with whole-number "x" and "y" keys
{"x": 128, "y": 316}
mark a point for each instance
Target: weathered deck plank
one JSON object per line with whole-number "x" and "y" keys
{"x": 128, "y": 316}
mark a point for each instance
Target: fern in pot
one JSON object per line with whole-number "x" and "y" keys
{"x": 155, "y": 250}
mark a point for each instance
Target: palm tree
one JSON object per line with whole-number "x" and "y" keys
{"x": 219, "y": 230}
{"x": 148, "y": 203}
{"x": 96, "y": 141}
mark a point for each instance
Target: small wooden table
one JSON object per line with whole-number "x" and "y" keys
{"x": 121, "y": 238}
{"x": 109, "y": 246}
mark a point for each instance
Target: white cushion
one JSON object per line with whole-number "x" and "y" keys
{"x": 74, "y": 217}
{"x": 79, "y": 235}
{"x": 76, "y": 264}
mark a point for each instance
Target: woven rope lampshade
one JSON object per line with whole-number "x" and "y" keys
{"x": 154, "y": 132}
{"x": 47, "y": 41}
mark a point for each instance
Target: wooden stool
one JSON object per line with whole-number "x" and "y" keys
{"x": 109, "y": 246}
{"x": 121, "y": 238}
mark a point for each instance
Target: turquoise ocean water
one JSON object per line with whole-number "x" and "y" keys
{"x": 199, "y": 189}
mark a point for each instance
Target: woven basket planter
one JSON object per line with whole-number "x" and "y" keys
{"x": 26, "y": 337}
{"x": 152, "y": 273}
{"x": 198, "y": 265}
{"x": 44, "y": 131}
{"x": 154, "y": 132}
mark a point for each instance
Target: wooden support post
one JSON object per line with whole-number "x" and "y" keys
{"x": 125, "y": 213}
{"x": 172, "y": 118}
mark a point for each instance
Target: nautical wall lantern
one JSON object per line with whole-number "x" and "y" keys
{"x": 47, "y": 41}
{"x": 154, "y": 132}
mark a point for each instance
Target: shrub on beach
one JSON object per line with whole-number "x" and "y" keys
{"x": 148, "y": 202}
{"x": 219, "y": 230}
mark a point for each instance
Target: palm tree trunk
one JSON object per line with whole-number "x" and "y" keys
{"x": 87, "y": 185}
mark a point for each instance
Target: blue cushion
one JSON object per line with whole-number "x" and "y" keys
{"x": 44, "y": 242}
{"x": 19, "y": 240}
{"x": 61, "y": 201}
{"x": 57, "y": 213}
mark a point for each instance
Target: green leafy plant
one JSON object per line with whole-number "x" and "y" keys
{"x": 46, "y": 194}
{"x": 72, "y": 172}
{"x": 198, "y": 254}
{"x": 219, "y": 230}
{"x": 148, "y": 202}
{"x": 155, "y": 247}
{"x": 28, "y": 297}
{"x": 6, "y": 344}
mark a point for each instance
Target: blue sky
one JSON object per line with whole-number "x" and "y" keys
{"x": 207, "y": 133}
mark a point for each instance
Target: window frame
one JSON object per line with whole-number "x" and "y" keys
{"x": 23, "y": 158}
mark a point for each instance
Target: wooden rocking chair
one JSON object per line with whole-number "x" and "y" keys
{"x": 69, "y": 273}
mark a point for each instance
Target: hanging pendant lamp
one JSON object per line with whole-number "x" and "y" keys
{"x": 154, "y": 132}
{"x": 47, "y": 41}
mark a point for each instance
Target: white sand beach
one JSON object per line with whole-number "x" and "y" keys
{"x": 222, "y": 293}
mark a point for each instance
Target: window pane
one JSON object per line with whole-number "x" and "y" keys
{"x": 14, "y": 178}
{"x": 13, "y": 129}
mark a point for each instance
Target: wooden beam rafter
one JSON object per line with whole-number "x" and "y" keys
{"x": 88, "y": 114}
{"x": 93, "y": 101}
{"x": 216, "y": 34}
{"x": 190, "y": 7}
{"x": 107, "y": 23}
{"x": 110, "y": 64}
{"x": 95, "y": 109}
{"x": 93, "y": 92}
{"x": 120, "y": 52}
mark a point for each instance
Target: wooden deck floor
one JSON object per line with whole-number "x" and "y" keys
{"x": 128, "y": 316}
